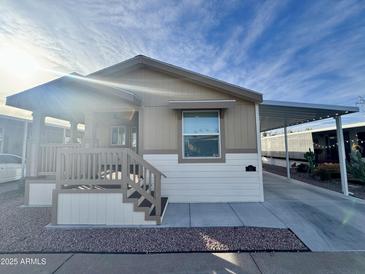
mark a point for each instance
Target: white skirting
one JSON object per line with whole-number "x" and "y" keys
{"x": 209, "y": 182}
{"x": 39, "y": 194}
{"x": 97, "y": 209}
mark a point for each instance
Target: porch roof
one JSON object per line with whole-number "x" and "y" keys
{"x": 278, "y": 114}
{"x": 69, "y": 96}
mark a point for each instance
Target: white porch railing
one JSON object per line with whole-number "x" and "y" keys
{"x": 109, "y": 166}
{"x": 47, "y": 160}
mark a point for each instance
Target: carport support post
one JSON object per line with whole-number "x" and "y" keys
{"x": 341, "y": 155}
{"x": 287, "y": 153}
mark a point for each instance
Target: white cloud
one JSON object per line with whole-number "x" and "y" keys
{"x": 265, "y": 48}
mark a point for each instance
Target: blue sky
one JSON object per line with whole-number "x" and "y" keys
{"x": 311, "y": 51}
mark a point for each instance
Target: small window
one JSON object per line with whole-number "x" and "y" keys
{"x": 119, "y": 135}
{"x": 201, "y": 134}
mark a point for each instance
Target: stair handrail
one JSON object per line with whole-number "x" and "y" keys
{"x": 156, "y": 200}
{"x": 144, "y": 162}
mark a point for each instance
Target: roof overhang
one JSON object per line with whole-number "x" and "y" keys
{"x": 201, "y": 104}
{"x": 278, "y": 114}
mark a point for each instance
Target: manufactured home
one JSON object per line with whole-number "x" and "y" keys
{"x": 154, "y": 134}
{"x": 13, "y": 130}
{"x": 322, "y": 141}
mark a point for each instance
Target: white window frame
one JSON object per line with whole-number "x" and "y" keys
{"x": 201, "y": 134}
{"x": 111, "y": 136}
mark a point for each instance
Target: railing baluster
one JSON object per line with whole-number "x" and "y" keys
{"x": 125, "y": 178}
{"x": 98, "y": 166}
{"x": 115, "y": 155}
{"x": 105, "y": 166}
{"x": 157, "y": 188}
{"x": 78, "y": 173}
{"x": 87, "y": 165}
{"x": 94, "y": 165}
{"x": 110, "y": 160}
{"x": 72, "y": 166}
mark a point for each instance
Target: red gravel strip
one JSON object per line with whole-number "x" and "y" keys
{"x": 23, "y": 230}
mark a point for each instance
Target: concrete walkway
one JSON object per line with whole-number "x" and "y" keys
{"x": 322, "y": 219}
{"x": 337, "y": 262}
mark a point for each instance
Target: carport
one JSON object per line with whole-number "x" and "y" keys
{"x": 279, "y": 114}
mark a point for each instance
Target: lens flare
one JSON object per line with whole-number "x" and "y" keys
{"x": 18, "y": 63}
{"x": 125, "y": 87}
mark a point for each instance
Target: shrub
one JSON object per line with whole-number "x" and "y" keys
{"x": 356, "y": 166}
{"x": 310, "y": 157}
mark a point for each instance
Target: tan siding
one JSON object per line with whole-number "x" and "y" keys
{"x": 240, "y": 128}
{"x": 105, "y": 121}
{"x": 160, "y": 128}
{"x": 156, "y": 88}
{"x": 160, "y": 124}
{"x": 102, "y": 135}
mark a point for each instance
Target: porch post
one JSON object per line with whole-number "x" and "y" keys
{"x": 37, "y": 125}
{"x": 287, "y": 153}
{"x": 73, "y": 132}
{"x": 24, "y": 148}
{"x": 341, "y": 155}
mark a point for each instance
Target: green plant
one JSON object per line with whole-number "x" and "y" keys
{"x": 356, "y": 166}
{"x": 310, "y": 157}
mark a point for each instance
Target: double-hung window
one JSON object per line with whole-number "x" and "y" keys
{"x": 201, "y": 134}
{"x": 119, "y": 136}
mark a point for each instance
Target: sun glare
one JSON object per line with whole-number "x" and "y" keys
{"x": 18, "y": 63}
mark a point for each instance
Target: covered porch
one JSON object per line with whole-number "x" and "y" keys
{"x": 104, "y": 162}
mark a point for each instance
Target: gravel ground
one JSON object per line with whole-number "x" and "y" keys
{"x": 23, "y": 230}
{"x": 334, "y": 185}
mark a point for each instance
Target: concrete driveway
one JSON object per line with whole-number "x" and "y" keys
{"x": 324, "y": 220}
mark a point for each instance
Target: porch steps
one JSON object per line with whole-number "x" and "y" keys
{"x": 141, "y": 204}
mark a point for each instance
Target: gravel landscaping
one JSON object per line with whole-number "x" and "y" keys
{"x": 357, "y": 190}
{"x": 23, "y": 230}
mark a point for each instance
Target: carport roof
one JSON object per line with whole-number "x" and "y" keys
{"x": 278, "y": 114}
